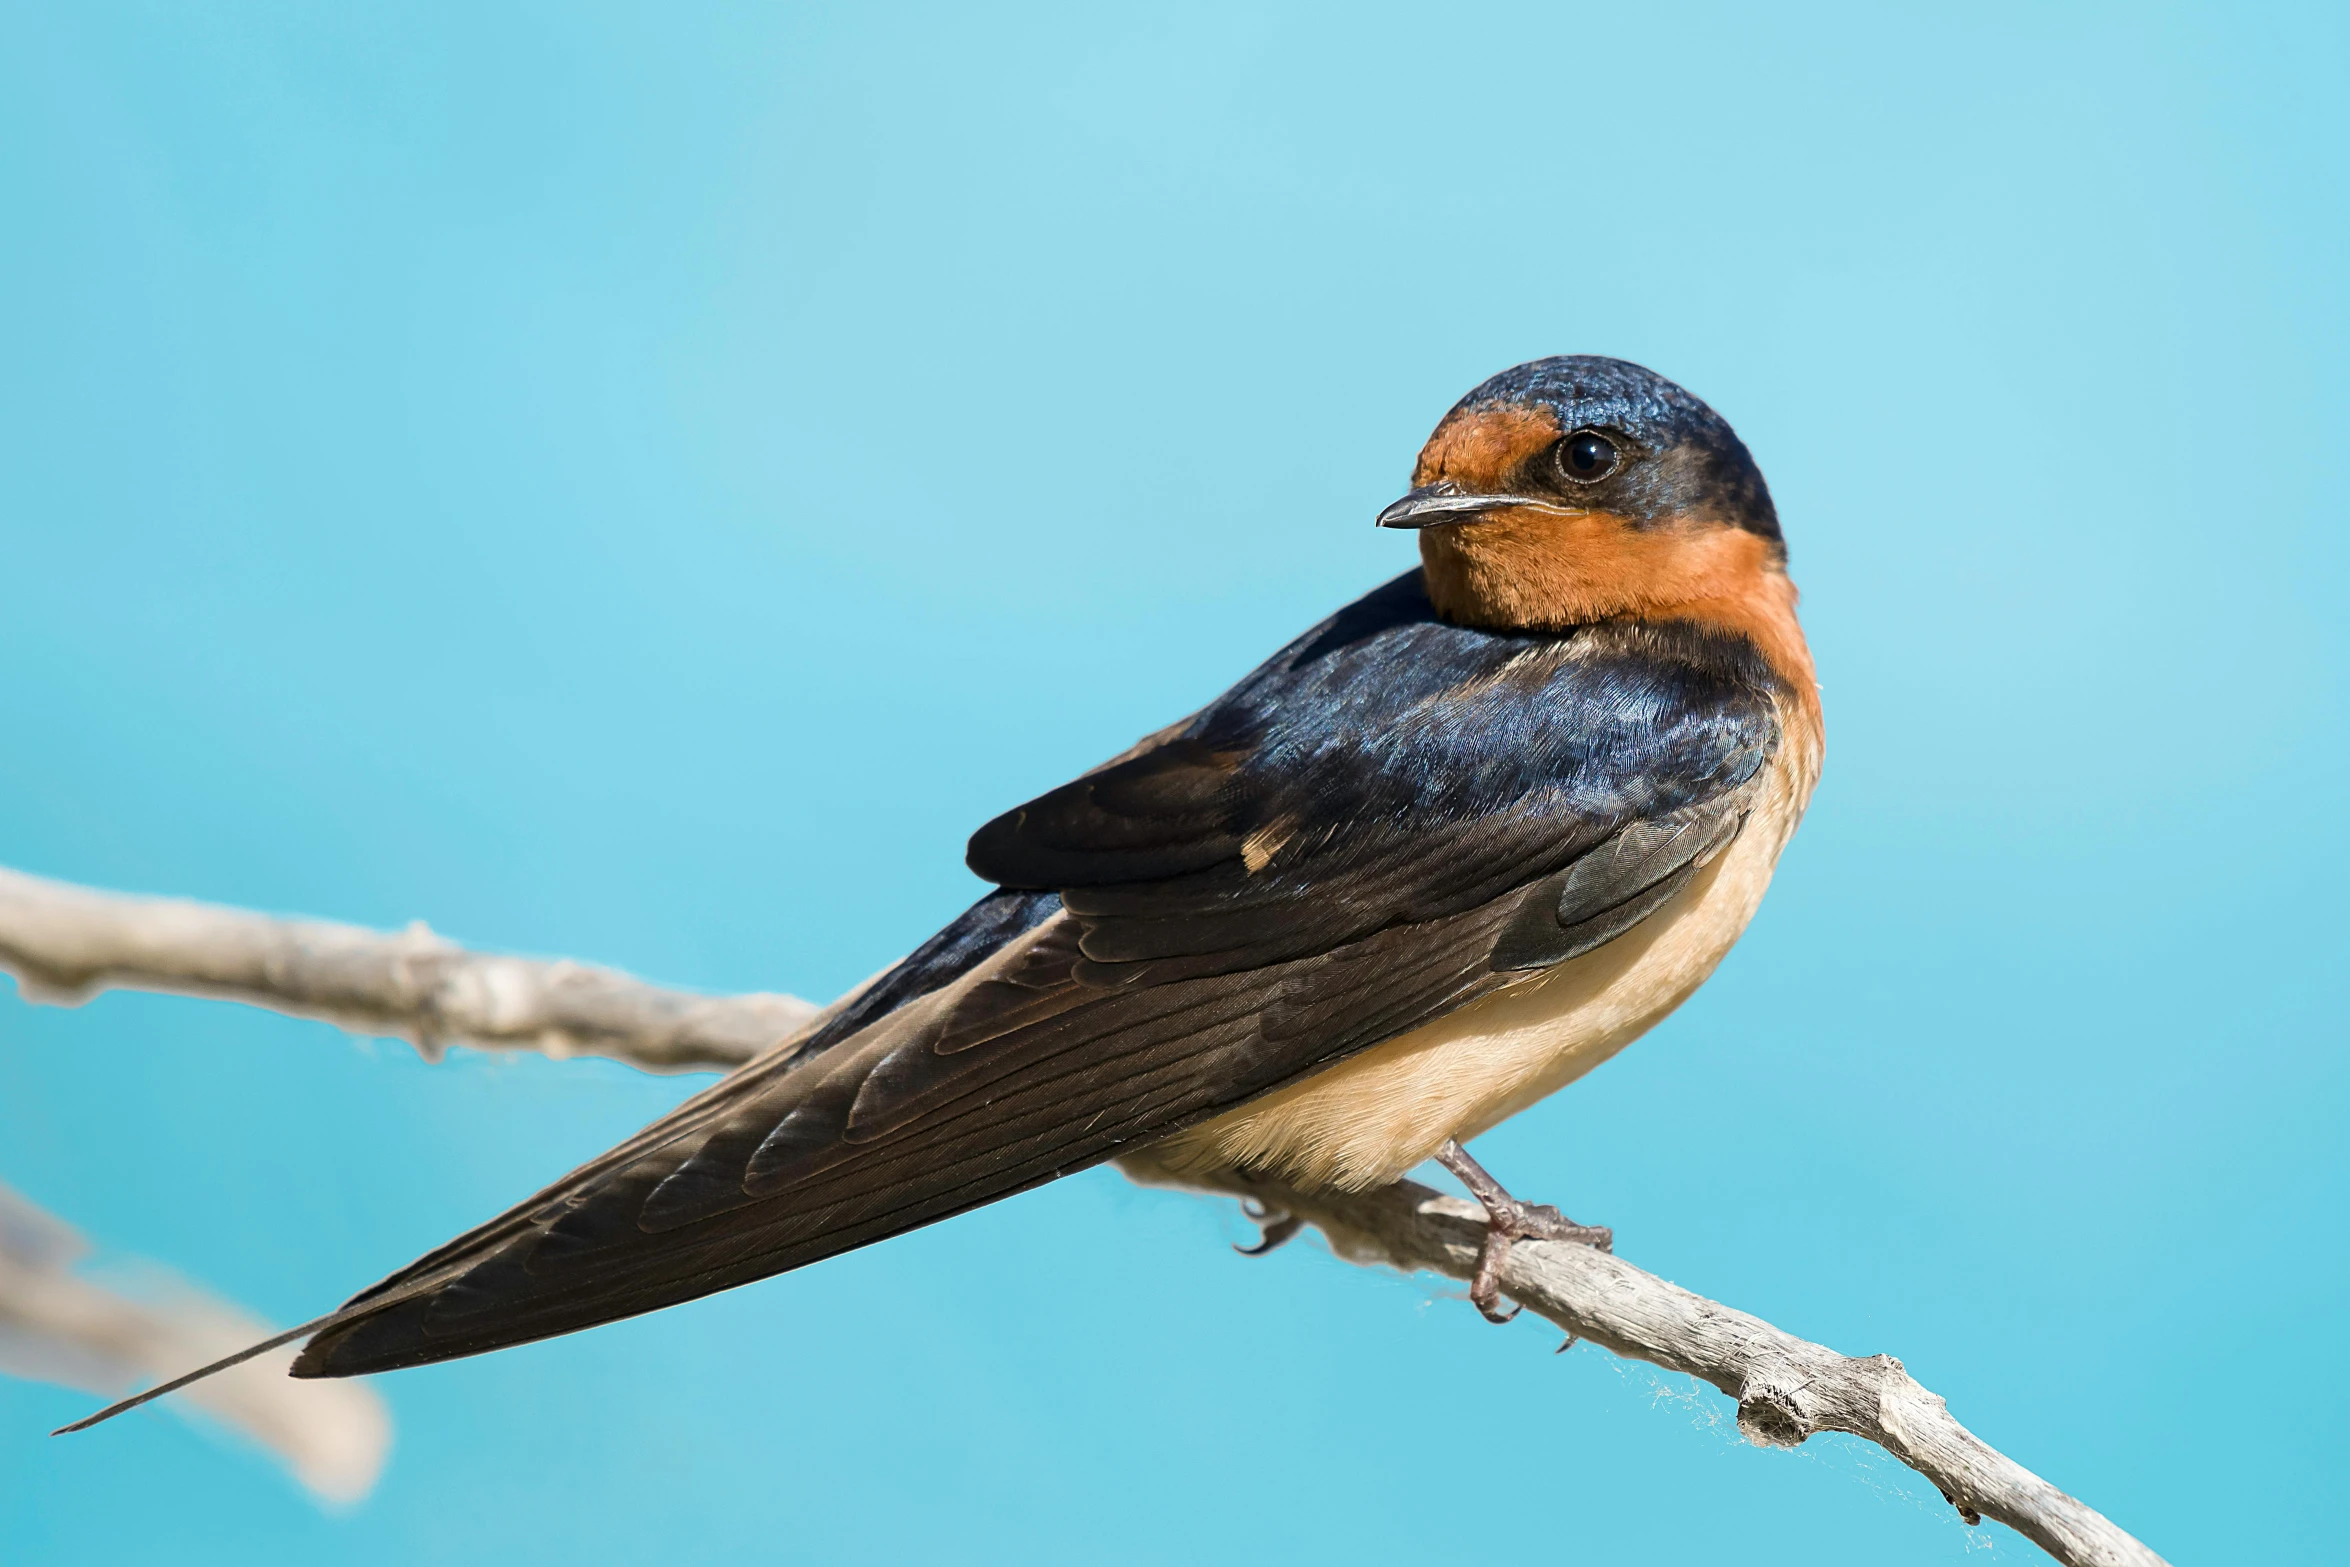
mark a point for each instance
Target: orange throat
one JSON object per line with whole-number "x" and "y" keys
{"x": 1531, "y": 570}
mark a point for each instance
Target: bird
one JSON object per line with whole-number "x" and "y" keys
{"x": 1434, "y": 860}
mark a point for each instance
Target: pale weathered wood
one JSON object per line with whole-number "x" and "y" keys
{"x": 57, "y": 1326}
{"x": 65, "y": 943}
{"x": 1786, "y": 1388}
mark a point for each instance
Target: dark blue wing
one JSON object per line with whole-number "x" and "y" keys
{"x": 1378, "y": 826}
{"x": 1386, "y": 768}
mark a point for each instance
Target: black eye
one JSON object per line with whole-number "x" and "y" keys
{"x": 1587, "y": 456}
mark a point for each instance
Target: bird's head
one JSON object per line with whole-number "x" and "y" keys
{"x": 1580, "y": 488}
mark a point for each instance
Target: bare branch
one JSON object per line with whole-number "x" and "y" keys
{"x": 1787, "y": 1388}
{"x": 56, "y": 1326}
{"x": 65, "y": 942}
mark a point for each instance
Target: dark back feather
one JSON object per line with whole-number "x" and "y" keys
{"x": 1390, "y": 818}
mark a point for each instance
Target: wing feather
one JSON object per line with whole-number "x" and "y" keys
{"x": 1392, "y": 817}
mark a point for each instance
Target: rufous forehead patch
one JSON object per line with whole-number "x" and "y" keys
{"x": 1480, "y": 448}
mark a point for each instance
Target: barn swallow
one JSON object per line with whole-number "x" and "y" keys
{"x": 1437, "y": 858}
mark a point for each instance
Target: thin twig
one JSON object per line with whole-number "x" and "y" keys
{"x": 65, "y": 943}
{"x": 1786, "y": 1388}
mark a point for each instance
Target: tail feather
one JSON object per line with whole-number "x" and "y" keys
{"x": 199, "y": 1374}
{"x": 351, "y": 1311}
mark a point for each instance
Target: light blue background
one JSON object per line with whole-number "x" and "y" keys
{"x": 643, "y": 483}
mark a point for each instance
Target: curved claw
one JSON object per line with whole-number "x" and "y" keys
{"x": 1278, "y": 1232}
{"x": 1507, "y": 1220}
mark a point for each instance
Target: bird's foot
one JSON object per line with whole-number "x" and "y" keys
{"x": 1508, "y": 1220}
{"x": 1277, "y": 1228}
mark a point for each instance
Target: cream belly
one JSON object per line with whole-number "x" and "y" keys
{"x": 1371, "y": 1118}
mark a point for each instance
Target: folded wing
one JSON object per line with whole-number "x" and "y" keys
{"x": 1392, "y": 817}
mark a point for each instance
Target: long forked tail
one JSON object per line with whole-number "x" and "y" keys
{"x": 199, "y": 1374}
{"x": 366, "y": 1305}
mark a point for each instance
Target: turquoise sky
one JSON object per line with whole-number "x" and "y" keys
{"x": 643, "y": 483}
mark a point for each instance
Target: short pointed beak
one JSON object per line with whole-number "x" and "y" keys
{"x": 1434, "y": 505}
